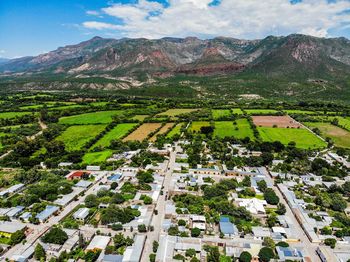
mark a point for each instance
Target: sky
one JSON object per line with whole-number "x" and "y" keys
{"x": 31, "y": 27}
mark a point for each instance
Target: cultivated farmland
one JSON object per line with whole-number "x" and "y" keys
{"x": 260, "y": 111}
{"x": 196, "y": 125}
{"x": 177, "y": 111}
{"x": 142, "y": 132}
{"x": 117, "y": 132}
{"x": 339, "y": 136}
{"x": 101, "y": 117}
{"x": 239, "y": 130}
{"x": 237, "y": 111}
{"x": 75, "y": 137}
{"x": 220, "y": 113}
{"x": 163, "y": 130}
{"x": 96, "y": 157}
{"x": 10, "y": 115}
{"x": 303, "y": 137}
{"x": 277, "y": 121}
{"x": 175, "y": 131}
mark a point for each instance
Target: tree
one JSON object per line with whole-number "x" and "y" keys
{"x": 155, "y": 246}
{"x": 213, "y": 254}
{"x": 271, "y": 197}
{"x": 55, "y": 236}
{"x": 117, "y": 198}
{"x": 245, "y": 257}
{"x": 91, "y": 201}
{"x": 181, "y": 222}
{"x": 246, "y": 181}
{"x": 120, "y": 241}
{"x": 39, "y": 252}
{"x": 282, "y": 244}
{"x": 191, "y": 252}
{"x": 271, "y": 220}
{"x": 262, "y": 186}
{"x": 142, "y": 228}
{"x": 268, "y": 242}
{"x": 152, "y": 257}
{"x": 330, "y": 242}
{"x": 266, "y": 254}
{"x": 281, "y": 209}
{"x": 195, "y": 232}
{"x": 17, "y": 237}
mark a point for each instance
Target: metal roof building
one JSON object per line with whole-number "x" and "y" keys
{"x": 227, "y": 228}
{"x": 46, "y": 213}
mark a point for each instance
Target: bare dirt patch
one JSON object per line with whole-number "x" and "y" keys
{"x": 276, "y": 121}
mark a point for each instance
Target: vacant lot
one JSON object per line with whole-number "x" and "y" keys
{"x": 278, "y": 121}
{"x": 75, "y": 137}
{"x": 9, "y": 115}
{"x": 96, "y": 157}
{"x": 101, "y": 117}
{"x": 163, "y": 130}
{"x": 340, "y": 136}
{"x": 143, "y": 131}
{"x": 303, "y": 137}
{"x": 196, "y": 126}
{"x": 177, "y": 111}
{"x": 238, "y": 129}
{"x": 219, "y": 113}
{"x": 260, "y": 111}
{"x": 117, "y": 132}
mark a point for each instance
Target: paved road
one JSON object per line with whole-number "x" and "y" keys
{"x": 39, "y": 230}
{"x": 309, "y": 247}
{"x": 157, "y": 220}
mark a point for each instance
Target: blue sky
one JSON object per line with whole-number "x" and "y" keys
{"x": 30, "y": 27}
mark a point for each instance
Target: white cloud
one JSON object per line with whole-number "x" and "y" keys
{"x": 236, "y": 18}
{"x": 100, "y": 25}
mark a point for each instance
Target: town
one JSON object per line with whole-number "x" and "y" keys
{"x": 218, "y": 184}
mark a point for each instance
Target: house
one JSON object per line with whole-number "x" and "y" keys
{"x": 76, "y": 175}
{"x": 93, "y": 168}
{"x": 198, "y": 221}
{"x": 134, "y": 253}
{"x": 290, "y": 254}
{"x": 83, "y": 184}
{"x": 65, "y": 164}
{"x": 47, "y": 213}
{"x": 261, "y": 232}
{"x": 227, "y": 228}
{"x": 8, "y": 228}
{"x": 15, "y": 211}
{"x": 114, "y": 178}
{"x": 11, "y": 190}
{"x": 98, "y": 242}
{"x": 253, "y": 205}
{"x": 204, "y": 171}
{"x": 81, "y": 214}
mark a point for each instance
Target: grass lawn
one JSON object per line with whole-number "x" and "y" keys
{"x": 340, "y": 136}
{"x": 219, "y": 113}
{"x": 101, "y": 117}
{"x": 177, "y": 111}
{"x": 237, "y": 111}
{"x": 303, "y": 137}
{"x": 117, "y": 132}
{"x": 196, "y": 126}
{"x": 260, "y": 111}
{"x": 175, "y": 131}
{"x": 9, "y": 115}
{"x": 75, "y": 137}
{"x": 227, "y": 129}
{"x": 96, "y": 157}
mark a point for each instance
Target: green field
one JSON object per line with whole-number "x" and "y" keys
{"x": 340, "y": 137}
{"x": 139, "y": 117}
{"x": 175, "y": 131}
{"x": 219, "y": 113}
{"x": 117, "y": 132}
{"x": 9, "y": 115}
{"x": 260, "y": 111}
{"x": 196, "y": 125}
{"x": 177, "y": 111}
{"x": 101, "y": 117}
{"x": 300, "y": 112}
{"x": 303, "y": 138}
{"x": 96, "y": 157}
{"x": 241, "y": 130}
{"x": 75, "y": 137}
{"x": 344, "y": 122}
{"x": 237, "y": 111}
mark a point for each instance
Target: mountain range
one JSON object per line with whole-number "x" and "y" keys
{"x": 125, "y": 63}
